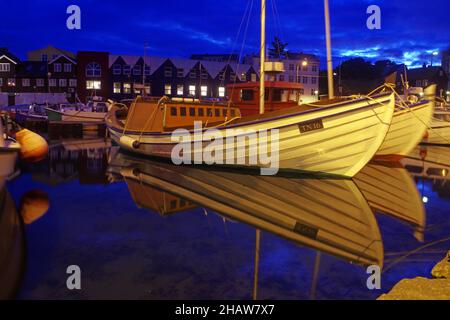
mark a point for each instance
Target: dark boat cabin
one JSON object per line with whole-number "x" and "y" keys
{"x": 278, "y": 95}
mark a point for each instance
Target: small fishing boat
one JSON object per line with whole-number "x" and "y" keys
{"x": 409, "y": 124}
{"x": 94, "y": 111}
{"x": 438, "y": 133}
{"x": 390, "y": 190}
{"x": 428, "y": 161}
{"x": 338, "y": 139}
{"x": 35, "y": 112}
{"x": 330, "y": 215}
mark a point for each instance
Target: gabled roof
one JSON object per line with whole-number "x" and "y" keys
{"x": 185, "y": 64}
{"x": 61, "y": 51}
{"x": 4, "y": 53}
{"x": 64, "y": 56}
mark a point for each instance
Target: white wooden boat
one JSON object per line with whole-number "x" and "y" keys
{"x": 94, "y": 111}
{"x": 439, "y": 133}
{"x": 325, "y": 214}
{"x": 9, "y": 151}
{"x": 339, "y": 138}
{"x": 409, "y": 125}
{"x": 429, "y": 161}
{"x": 390, "y": 190}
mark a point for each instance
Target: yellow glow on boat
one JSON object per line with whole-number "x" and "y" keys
{"x": 33, "y": 147}
{"x": 33, "y": 205}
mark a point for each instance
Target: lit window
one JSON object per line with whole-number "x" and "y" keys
{"x": 52, "y": 82}
{"x": 204, "y": 91}
{"x": 5, "y": 67}
{"x": 221, "y": 91}
{"x": 126, "y": 88}
{"x": 25, "y": 82}
{"x": 93, "y": 69}
{"x": 11, "y": 82}
{"x": 62, "y": 82}
{"x": 180, "y": 89}
{"x": 72, "y": 82}
{"x": 117, "y": 88}
{"x": 126, "y": 70}
{"x": 57, "y": 67}
{"x": 253, "y": 77}
{"x": 243, "y": 77}
{"x": 67, "y": 67}
{"x": 192, "y": 90}
{"x": 117, "y": 69}
{"x": 168, "y": 89}
{"x": 233, "y": 77}
{"x": 93, "y": 85}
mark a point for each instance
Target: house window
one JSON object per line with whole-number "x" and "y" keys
{"x": 313, "y": 80}
{"x": 126, "y": 70}
{"x": 221, "y": 91}
{"x": 25, "y": 82}
{"x": 233, "y": 77}
{"x": 126, "y": 88}
{"x": 147, "y": 89}
{"x": 62, "y": 82}
{"x": 67, "y": 67}
{"x": 137, "y": 70}
{"x": 192, "y": 90}
{"x": 11, "y": 82}
{"x": 1, "y": 82}
{"x": 253, "y": 77}
{"x": 180, "y": 73}
{"x": 204, "y": 91}
{"x": 117, "y": 87}
{"x": 247, "y": 95}
{"x": 44, "y": 57}
{"x": 243, "y": 77}
{"x": 93, "y": 85}
{"x": 180, "y": 89}
{"x": 72, "y": 83}
{"x": 168, "y": 89}
{"x": 291, "y": 78}
{"x": 52, "y": 82}
{"x": 305, "y": 80}
{"x": 291, "y": 66}
{"x": 93, "y": 69}
{"x": 147, "y": 70}
{"x": 117, "y": 69}
{"x": 314, "y": 68}
{"x": 299, "y": 79}
{"x": 192, "y": 75}
{"x": 168, "y": 72}
{"x": 281, "y": 77}
{"x": 5, "y": 67}
{"x": 204, "y": 75}
{"x": 57, "y": 67}
{"x": 222, "y": 76}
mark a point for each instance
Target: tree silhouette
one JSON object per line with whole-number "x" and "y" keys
{"x": 278, "y": 49}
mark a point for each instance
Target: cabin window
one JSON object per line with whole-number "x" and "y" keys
{"x": 414, "y": 169}
{"x": 192, "y": 112}
{"x": 209, "y": 112}
{"x": 173, "y": 111}
{"x": 217, "y": 112}
{"x": 173, "y": 204}
{"x": 302, "y": 91}
{"x": 182, "y": 202}
{"x": 183, "y": 111}
{"x": 201, "y": 112}
{"x": 437, "y": 172}
{"x": 247, "y": 95}
{"x": 204, "y": 91}
{"x": 221, "y": 91}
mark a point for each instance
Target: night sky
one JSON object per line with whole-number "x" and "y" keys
{"x": 410, "y": 30}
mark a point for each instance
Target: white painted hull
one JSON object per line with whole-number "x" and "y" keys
{"x": 439, "y": 133}
{"x": 392, "y": 191}
{"x": 407, "y": 129}
{"x": 83, "y": 116}
{"x": 351, "y": 135}
{"x": 325, "y": 214}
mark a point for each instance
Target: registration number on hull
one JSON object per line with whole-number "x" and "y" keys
{"x": 310, "y": 125}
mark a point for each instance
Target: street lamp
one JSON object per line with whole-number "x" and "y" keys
{"x": 434, "y": 53}
{"x": 304, "y": 64}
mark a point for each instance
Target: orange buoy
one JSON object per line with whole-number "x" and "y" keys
{"x": 33, "y": 147}
{"x": 33, "y": 205}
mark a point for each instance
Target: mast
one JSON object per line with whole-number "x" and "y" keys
{"x": 329, "y": 59}
{"x": 143, "y": 70}
{"x": 262, "y": 57}
{"x": 256, "y": 270}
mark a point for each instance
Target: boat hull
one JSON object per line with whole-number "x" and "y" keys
{"x": 350, "y": 135}
{"x": 439, "y": 133}
{"x": 75, "y": 116}
{"x": 407, "y": 129}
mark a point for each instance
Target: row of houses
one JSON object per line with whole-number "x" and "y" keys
{"x": 87, "y": 73}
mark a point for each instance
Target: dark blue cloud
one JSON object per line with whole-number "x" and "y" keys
{"x": 411, "y": 30}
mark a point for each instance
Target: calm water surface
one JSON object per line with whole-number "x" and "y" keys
{"x": 148, "y": 230}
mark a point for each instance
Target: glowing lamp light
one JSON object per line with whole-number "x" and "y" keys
{"x": 304, "y": 63}
{"x": 424, "y": 199}
{"x": 435, "y": 53}
{"x": 316, "y": 92}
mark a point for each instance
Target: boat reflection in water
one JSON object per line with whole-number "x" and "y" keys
{"x": 12, "y": 246}
{"x": 328, "y": 215}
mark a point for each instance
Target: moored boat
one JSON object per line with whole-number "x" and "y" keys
{"x": 339, "y": 138}
{"x": 438, "y": 133}
{"x": 9, "y": 150}
{"x": 94, "y": 111}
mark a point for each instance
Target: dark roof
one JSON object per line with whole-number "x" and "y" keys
{"x": 32, "y": 69}
{"x": 425, "y": 73}
{"x": 5, "y": 51}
